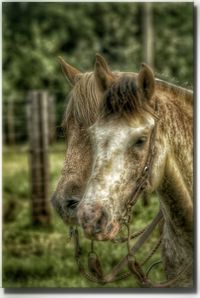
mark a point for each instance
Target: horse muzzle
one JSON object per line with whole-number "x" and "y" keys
{"x": 96, "y": 222}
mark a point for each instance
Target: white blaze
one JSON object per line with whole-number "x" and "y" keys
{"x": 111, "y": 142}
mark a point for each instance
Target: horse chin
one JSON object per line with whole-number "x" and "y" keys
{"x": 70, "y": 217}
{"x": 70, "y": 221}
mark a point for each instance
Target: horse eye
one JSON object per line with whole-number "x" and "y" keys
{"x": 140, "y": 142}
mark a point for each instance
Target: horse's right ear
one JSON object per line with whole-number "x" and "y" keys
{"x": 69, "y": 71}
{"x": 103, "y": 74}
{"x": 146, "y": 81}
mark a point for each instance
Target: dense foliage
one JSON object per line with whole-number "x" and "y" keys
{"x": 34, "y": 34}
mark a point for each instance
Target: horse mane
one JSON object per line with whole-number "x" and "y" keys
{"x": 83, "y": 101}
{"x": 85, "y": 104}
{"x": 177, "y": 91}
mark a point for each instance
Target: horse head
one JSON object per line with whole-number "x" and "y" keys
{"x": 80, "y": 114}
{"x": 120, "y": 140}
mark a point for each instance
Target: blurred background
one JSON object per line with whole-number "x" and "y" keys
{"x": 36, "y": 248}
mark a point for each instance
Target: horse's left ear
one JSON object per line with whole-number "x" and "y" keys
{"x": 70, "y": 72}
{"x": 146, "y": 81}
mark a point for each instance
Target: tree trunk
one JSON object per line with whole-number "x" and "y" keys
{"x": 148, "y": 34}
{"x": 11, "y": 125}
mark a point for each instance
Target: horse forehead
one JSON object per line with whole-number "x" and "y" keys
{"x": 122, "y": 130}
{"x": 113, "y": 130}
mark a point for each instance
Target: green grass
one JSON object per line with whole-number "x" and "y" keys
{"x": 36, "y": 257}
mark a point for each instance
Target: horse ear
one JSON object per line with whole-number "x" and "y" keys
{"x": 103, "y": 74}
{"x": 69, "y": 71}
{"x": 146, "y": 81}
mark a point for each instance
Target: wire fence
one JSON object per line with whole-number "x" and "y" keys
{"x": 15, "y": 121}
{"x": 34, "y": 121}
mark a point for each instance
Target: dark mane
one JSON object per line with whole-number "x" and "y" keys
{"x": 122, "y": 98}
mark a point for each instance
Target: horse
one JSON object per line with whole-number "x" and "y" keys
{"x": 109, "y": 122}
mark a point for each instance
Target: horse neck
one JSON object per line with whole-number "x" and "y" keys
{"x": 176, "y": 186}
{"x": 175, "y": 190}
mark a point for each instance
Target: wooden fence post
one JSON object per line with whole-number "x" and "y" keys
{"x": 52, "y": 119}
{"x": 38, "y": 139}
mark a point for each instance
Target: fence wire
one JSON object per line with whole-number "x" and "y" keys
{"x": 15, "y": 123}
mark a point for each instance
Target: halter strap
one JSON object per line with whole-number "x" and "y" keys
{"x": 142, "y": 181}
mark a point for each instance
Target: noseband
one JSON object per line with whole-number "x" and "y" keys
{"x": 95, "y": 272}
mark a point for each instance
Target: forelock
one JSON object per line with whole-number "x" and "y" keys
{"x": 83, "y": 101}
{"x": 121, "y": 98}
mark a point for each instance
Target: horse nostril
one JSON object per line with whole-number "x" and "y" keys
{"x": 72, "y": 203}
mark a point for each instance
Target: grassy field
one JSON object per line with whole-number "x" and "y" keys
{"x": 34, "y": 257}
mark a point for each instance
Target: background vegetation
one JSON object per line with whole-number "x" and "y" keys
{"x": 44, "y": 257}
{"x": 34, "y": 34}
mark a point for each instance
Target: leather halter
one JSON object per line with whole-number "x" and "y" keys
{"x": 142, "y": 181}
{"x": 95, "y": 273}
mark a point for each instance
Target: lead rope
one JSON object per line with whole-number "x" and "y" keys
{"x": 152, "y": 252}
{"x": 94, "y": 264}
{"x": 86, "y": 274}
{"x": 97, "y": 278}
{"x": 132, "y": 236}
{"x": 96, "y": 274}
{"x": 134, "y": 267}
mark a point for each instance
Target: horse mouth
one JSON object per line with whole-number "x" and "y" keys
{"x": 93, "y": 231}
{"x": 107, "y": 235}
